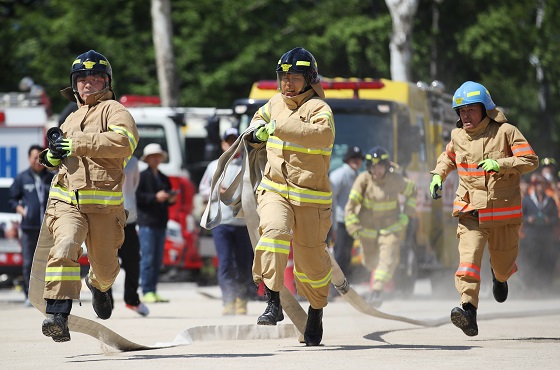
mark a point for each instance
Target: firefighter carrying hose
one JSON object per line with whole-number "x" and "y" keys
{"x": 373, "y": 215}
{"x": 294, "y": 196}
{"x": 489, "y": 155}
{"x": 86, "y": 199}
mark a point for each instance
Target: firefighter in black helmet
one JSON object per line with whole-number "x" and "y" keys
{"x": 294, "y": 196}
{"x": 373, "y": 215}
{"x": 86, "y": 198}
{"x": 299, "y": 60}
{"x": 90, "y": 64}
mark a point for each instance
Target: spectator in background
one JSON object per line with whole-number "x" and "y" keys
{"x": 28, "y": 197}
{"x": 549, "y": 170}
{"x": 341, "y": 181}
{"x": 129, "y": 252}
{"x": 539, "y": 249}
{"x": 233, "y": 245}
{"x": 154, "y": 195}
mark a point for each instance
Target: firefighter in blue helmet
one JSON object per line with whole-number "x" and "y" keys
{"x": 294, "y": 196}
{"x": 489, "y": 155}
{"x": 86, "y": 200}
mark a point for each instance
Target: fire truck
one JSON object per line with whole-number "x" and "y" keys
{"x": 413, "y": 122}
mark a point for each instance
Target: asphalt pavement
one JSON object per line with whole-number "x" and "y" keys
{"x": 518, "y": 334}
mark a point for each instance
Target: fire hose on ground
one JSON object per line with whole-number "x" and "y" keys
{"x": 245, "y": 205}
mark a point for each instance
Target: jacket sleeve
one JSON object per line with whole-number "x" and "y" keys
{"x": 445, "y": 162}
{"x": 15, "y": 193}
{"x": 353, "y": 206}
{"x": 408, "y": 190}
{"x": 524, "y": 158}
{"x": 317, "y": 131}
{"x": 118, "y": 142}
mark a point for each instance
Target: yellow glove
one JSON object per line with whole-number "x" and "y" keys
{"x": 265, "y": 131}
{"x": 51, "y": 158}
{"x": 489, "y": 165}
{"x": 435, "y": 186}
{"x": 403, "y": 219}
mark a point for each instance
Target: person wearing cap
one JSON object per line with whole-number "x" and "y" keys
{"x": 294, "y": 197}
{"x": 153, "y": 197}
{"x": 233, "y": 245}
{"x": 86, "y": 203}
{"x": 490, "y": 155}
{"x": 341, "y": 180}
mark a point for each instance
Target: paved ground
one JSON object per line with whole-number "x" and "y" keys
{"x": 518, "y": 334}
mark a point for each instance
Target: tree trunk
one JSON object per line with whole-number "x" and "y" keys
{"x": 402, "y": 14}
{"x": 165, "y": 59}
{"x": 543, "y": 85}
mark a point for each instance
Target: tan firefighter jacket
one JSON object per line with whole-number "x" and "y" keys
{"x": 496, "y": 197}
{"x": 373, "y": 205}
{"x": 104, "y": 136}
{"x": 299, "y": 151}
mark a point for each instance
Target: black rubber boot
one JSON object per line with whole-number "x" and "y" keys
{"x": 101, "y": 302}
{"x": 465, "y": 319}
{"x": 499, "y": 289}
{"x": 273, "y": 312}
{"x": 314, "y": 327}
{"x": 56, "y": 327}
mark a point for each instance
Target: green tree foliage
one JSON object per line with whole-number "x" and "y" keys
{"x": 222, "y": 47}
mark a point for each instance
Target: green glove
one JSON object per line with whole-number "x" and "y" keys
{"x": 52, "y": 160}
{"x": 64, "y": 145}
{"x": 435, "y": 186}
{"x": 261, "y": 134}
{"x": 489, "y": 165}
{"x": 270, "y": 127}
{"x": 403, "y": 219}
{"x": 265, "y": 131}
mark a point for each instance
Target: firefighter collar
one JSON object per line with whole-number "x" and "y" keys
{"x": 297, "y": 101}
{"x": 478, "y": 129}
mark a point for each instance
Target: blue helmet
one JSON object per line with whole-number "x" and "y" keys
{"x": 470, "y": 93}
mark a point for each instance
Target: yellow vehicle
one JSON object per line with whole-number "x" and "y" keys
{"x": 413, "y": 122}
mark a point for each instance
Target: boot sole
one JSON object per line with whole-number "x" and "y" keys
{"x": 50, "y": 329}
{"x": 459, "y": 320}
{"x": 266, "y": 322}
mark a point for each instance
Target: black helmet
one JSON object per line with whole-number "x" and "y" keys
{"x": 378, "y": 155}
{"x": 353, "y": 152}
{"x": 89, "y": 64}
{"x": 299, "y": 60}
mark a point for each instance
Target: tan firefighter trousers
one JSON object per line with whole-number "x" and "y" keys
{"x": 103, "y": 234}
{"x": 382, "y": 255}
{"x": 503, "y": 244}
{"x": 306, "y": 228}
